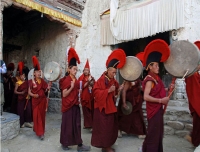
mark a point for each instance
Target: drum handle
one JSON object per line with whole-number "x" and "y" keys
{"x": 48, "y": 98}
{"x": 118, "y": 97}
{"x": 165, "y": 107}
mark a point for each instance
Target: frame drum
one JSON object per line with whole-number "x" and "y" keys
{"x": 184, "y": 56}
{"x": 132, "y": 69}
{"x": 52, "y": 71}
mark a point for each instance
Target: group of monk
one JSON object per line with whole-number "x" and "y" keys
{"x": 27, "y": 98}
{"x": 105, "y": 120}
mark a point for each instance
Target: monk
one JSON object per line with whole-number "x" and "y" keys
{"x": 24, "y": 105}
{"x": 71, "y": 117}
{"x": 9, "y": 86}
{"x": 154, "y": 95}
{"x": 134, "y": 122}
{"x": 3, "y": 70}
{"x": 37, "y": 90}
{"x": 105, "y": 123}
{"x": 87, "y": 96}
{"x": 193, "y": 93}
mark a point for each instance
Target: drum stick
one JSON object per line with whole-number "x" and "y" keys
{"x": 26, "y": 104}
{"x": 118, "y": 96}
{"x": 175, "y": 87}
{"x": 79, "y": 95}
{"x": 181, "y": 79}
{"x": 48, "y": 97}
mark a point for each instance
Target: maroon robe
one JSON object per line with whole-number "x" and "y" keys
{"x": 25, "y": 115}
{"x": 105, "y": 124}
{"x": 134, "y": 122}
{"x": 154, "y": 136}
{"x": 8, "y": 92}
{"x": 193, "y": 93}
{"x": 39, "y": 106}
{"x": 14, "y": 104}
{"x": 86, "y": 102}
{"x": 71, "y": 118}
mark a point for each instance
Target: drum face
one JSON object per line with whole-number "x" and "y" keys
{"x": 132, "y": 69}
{"x": 52, "y": 71}
{"x": 184, "y": 56}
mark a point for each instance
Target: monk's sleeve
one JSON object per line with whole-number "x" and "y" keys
{"x": 100, "y": 94}
{"x": 44, "y": 85}
{"x": 66, "y": 84}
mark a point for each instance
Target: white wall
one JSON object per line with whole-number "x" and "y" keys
{"x": 191, "y": 31}
{"x": 88, "y": 43}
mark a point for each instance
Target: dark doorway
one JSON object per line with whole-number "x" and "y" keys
{"x": 131, "y": 48}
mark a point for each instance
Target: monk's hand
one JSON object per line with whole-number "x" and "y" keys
{"x": 35, "y": 95}
{"x": 132, "y": 83}
{"x": 165, "y": 100}
{"x": 121, "y": 87}
{"x": 49, "y": 85}
{"x": 89, "y": 78}
{"x": 72, "y": 84}
{"x": 111, "y": 89}
{"x": 23, "y": 92}
{"x": 80, "y": 91}
{"x": 125, "y": 106}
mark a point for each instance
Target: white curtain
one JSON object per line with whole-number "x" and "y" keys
{"x": 141, "y": 19}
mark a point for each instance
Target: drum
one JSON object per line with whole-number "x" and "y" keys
{"x": 132, "y": 69}
{"x": 52, "y": 71}
{"x": 184, "y": 56}
{"x": 31, "y": 76}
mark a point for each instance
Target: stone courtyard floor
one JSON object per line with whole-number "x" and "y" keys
{"x": 27, "y": 141}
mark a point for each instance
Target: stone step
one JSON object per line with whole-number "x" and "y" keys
{"x": 175, "y": 103}
{"x": 177, "y": 110}
{"x": 10, "y": 126}
{"x": 178, "y": 103}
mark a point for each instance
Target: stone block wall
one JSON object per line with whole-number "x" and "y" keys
{"x": 180, "y": 92}
{"x": 10, "y": 126}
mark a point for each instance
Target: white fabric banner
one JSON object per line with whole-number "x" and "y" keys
{"x": 141, "y": 19}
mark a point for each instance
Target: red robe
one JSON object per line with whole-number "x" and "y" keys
{"x": 87, "y": 98}
{"x": 157, "y": 91}
{"x": 72, "y": 98}
{"x": 193, "y": 93}
{"x": 71, "y": 119}
{"x": 153, "y": 141}
{"x": 103, "y": 99}
{"x": 105, "y": 126}
{"x": 25, "y": 115}
{"x": 39, "y": 106}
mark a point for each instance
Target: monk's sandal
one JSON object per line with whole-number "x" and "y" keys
{"x": 83, "y": 148}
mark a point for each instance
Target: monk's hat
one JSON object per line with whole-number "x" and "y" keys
{"x": 197, "y": 43}
{"x": 116, "y": 59}
{"x": 156, "y": 51}
{"x": 140, "y": 56}
{"x": 11, "y": 67}
{"x": 36, "y": 64}
{"x": 20, "y": 68}
{"x": 87, "y": 65}
{"x": 72, "y": 57}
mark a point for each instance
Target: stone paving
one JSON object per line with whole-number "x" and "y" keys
{"x": 27, "y": 140}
